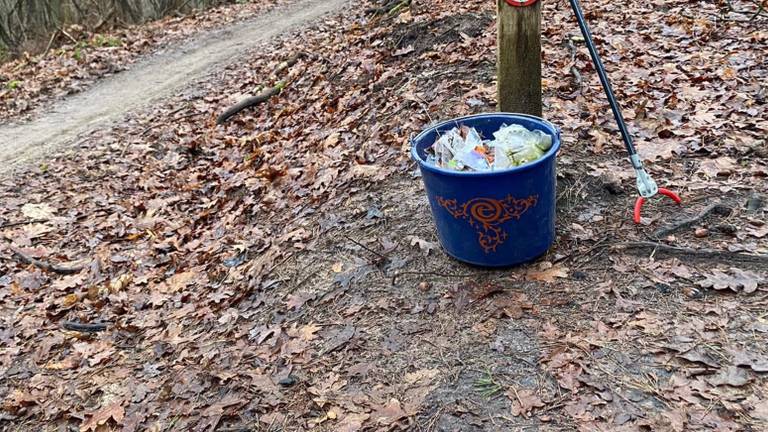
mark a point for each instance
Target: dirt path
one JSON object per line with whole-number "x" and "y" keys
{"x": 150, "y": 80}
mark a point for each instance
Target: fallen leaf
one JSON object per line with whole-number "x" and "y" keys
{"x": 114, "y": 411}
{"x": 480, "y": 292}
{"x": 740, "y": 279}
{"x": 118, "y": 284}
{"x": 760, "y": 411}
{"x": 658, "y": 149}
{"x": 339, "y": 338}
{"x": 273, "y": 418}
{"x": 353, "y": 274}
{"x": 38, "y": 211}
{"x": 600, "y": 139}
{"x": 697, "y": 356}
{"x": 424, "y": 245}
{"x": 69, "y": 362}
{"x": 757, "y": 362}
{"x": 524, "y": 401}
{"x": 308, "y": 331}
{"x": 422, "y": 376}
{"x": 217, "y": 409}
{"x": 18, "y": 399}
{"x": 732, "y": 376}
{"x": 721, "y": 166}
{"x": 389, "y": 413}
{"x": 547, "y": 273}
{"x": 332, "y": 140}
{"x": 758, "y": 232}
{"x": 296, "y": 301}
{"x": 351, "y": 422}
{"x": 404, "y": 51}
{"x": 179, "y": 281}
{"x": 70, "y": 300}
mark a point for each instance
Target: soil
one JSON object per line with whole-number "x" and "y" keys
{"x": 425, "y": 36}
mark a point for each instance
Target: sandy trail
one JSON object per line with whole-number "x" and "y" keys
{"x": 153, "y": 78}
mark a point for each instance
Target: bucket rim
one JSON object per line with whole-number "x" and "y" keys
{"x": 532, "y": 165}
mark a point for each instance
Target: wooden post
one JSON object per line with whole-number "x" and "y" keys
{"x": 519, "y": 57}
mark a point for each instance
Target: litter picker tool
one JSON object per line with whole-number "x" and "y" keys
{"x": 645, "y": 184}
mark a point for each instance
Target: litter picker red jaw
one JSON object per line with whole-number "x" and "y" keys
{"x": 645, "y": 184}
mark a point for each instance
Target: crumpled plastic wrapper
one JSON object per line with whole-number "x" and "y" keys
{"x": 463, "y": 149}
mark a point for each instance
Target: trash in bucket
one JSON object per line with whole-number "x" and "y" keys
{"x": 462, "y": 149}
{"x": 492, "y": 218}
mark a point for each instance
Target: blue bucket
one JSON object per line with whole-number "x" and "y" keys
{"x": 495, "y": 218}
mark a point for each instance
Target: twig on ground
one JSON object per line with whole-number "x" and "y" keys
{"x": 50, "y": 41}
{"x": 698, "y": 253}
{"x": 13, "y": 224}
{"x": 84, "y": 327}
{"x": 383, "y": 257}
{"x": 55, "y": 268}
{"x": 520, "y": 401}
{"x": 574, "y": 71}
{"x": 427, "y": 273}
{"x": 718, "y": 209}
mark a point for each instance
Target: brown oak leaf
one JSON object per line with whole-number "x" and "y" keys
{"x": 114, "y": 411}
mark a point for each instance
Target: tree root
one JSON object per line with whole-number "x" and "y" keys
{"x": 660, "y": 248}
{"x": 718, "y": 209}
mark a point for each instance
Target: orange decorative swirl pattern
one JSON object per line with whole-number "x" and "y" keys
{"x": 485, "y": 210}
{"x": 487, "y": 214}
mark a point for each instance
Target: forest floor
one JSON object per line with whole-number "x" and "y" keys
{"x": 111, "y": 95}
{"x": 281, "y": 272}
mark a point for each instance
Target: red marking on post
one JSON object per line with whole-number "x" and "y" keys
{"x": 518, "y": 3}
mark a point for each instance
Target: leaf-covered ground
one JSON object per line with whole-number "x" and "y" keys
{"x": 29, "y": 84}
{"x": 281, "y": 272}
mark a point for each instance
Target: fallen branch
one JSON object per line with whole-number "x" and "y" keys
{"x": 50, "y": 41}
{"x": 264, "y": 95}
{"x": 64, "y": 32}
{"x": 718, "y": 209}
{"x": 55, "y": 268}
{"x": 697, "y": 253}
{"x": 292, "y": 60}
{"x": 84, "y": 327}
